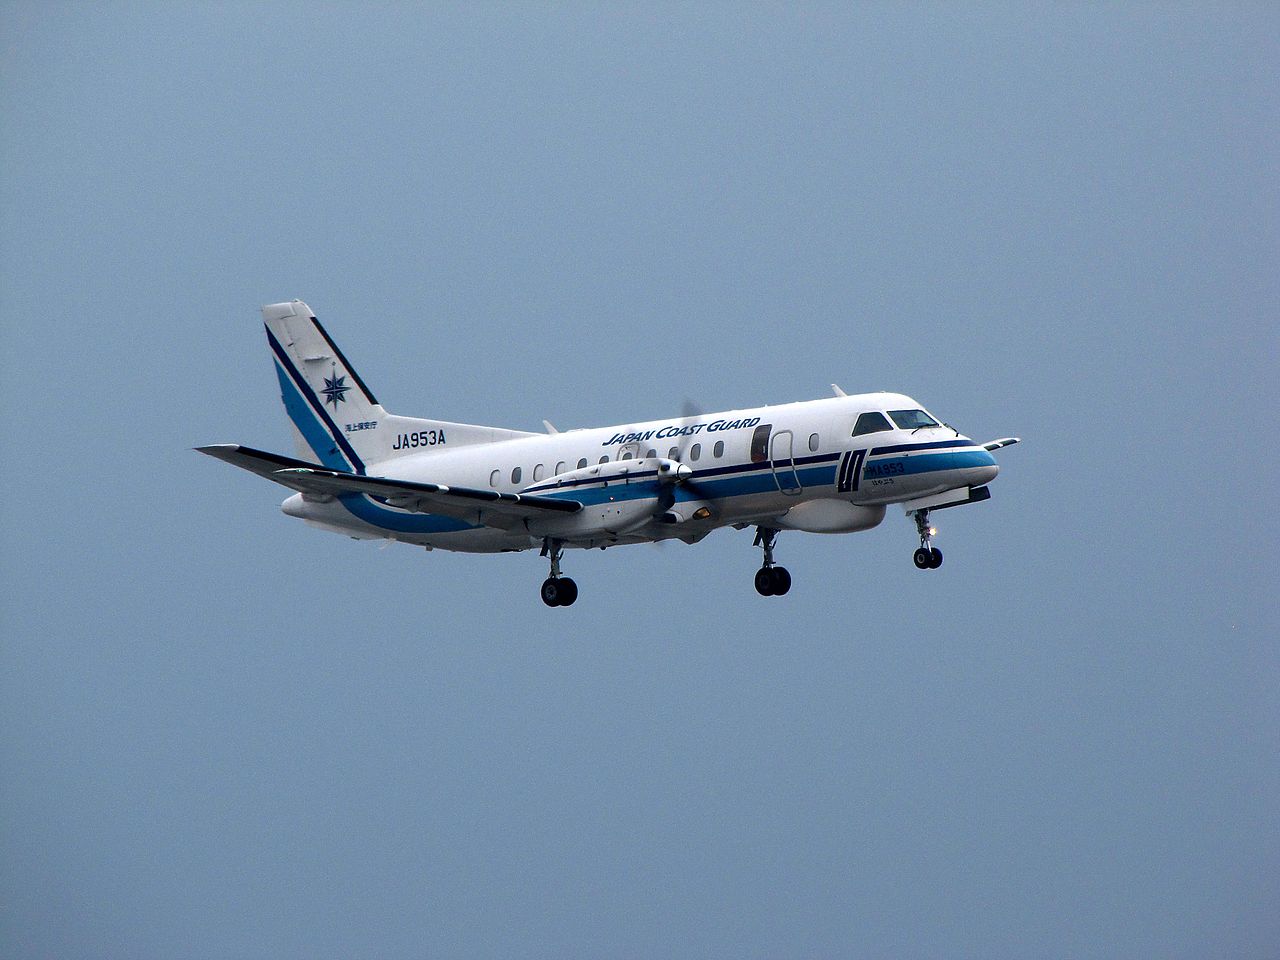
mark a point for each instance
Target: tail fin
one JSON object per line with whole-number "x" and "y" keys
{"x": 338, "y": 422}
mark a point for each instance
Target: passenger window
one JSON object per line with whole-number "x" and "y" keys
{"x": 559, "y": 468}
{"x": 582, "y": 463}
{"x": 718, "y": 450}
{"x": 673, "y": 453}
{"x": 760, "y": 443}
{"x": 604, "y": 459}
{"x": 912, "y": 419}
{"x": 651, "y": 454}
{"x": 493, "y": 478}
{"x": 515, "y": 475}
{"x": 537, "y": 473}
{"x": 813, "y": 442}
{"x": 626, "y": 455}
{"x": 871, "y": 423}
{"x": 695, "y": 451}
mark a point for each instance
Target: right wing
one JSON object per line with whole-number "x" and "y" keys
{"x": 488, "y": 507}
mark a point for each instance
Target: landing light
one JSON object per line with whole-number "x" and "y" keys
{"x": 933, "y": 531}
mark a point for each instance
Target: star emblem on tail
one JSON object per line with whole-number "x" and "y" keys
{"x": 335, "y": 389}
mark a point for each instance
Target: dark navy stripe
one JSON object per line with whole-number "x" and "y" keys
{"x": 856, "y": 470}
{"x": 912, "y": 447}
{"x": 698, "y": 476}
{"x": 305, "y": 389}
{"x": 720, "y": 489}
{"x": 345, "y": 362}
{"x": 357, "y": 504}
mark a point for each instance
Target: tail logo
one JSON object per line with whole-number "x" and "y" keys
{"x": 335, "y": 389}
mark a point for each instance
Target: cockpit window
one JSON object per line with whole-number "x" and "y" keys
{"x": 912, "y": 419}
{"x": 871, "y": 423}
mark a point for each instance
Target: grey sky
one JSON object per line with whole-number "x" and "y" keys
{"x": 224, "y": 734}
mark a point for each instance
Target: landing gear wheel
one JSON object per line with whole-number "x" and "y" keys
{"x": 924, "y": 558}
{"x": 551, "y": 592}
{"x": 935, "y": 558}
{"x": 764, "y": 582}
{"x": 568, "y": 592}
{"x": 780, "y": 580}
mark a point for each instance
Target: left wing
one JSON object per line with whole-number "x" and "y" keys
{"x": 489, "y": 507}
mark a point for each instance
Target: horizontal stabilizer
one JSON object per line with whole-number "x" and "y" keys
{"x": 488, "y": 507}
{"x": 333, "y": 483}
{"x": 997, "y": 444}
{"x": 255, "y": 461}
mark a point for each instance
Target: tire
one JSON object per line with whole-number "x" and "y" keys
{"x": 923, "y": 558}
{"x": 935, "y": 558}
{"x": 764, "y": 582}
{"x": 551, "y": 592}
{"x": 568, "y": 592}
{"x": 780, "y": 581}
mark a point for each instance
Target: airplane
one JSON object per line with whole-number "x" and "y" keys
{"x": 820, "y": 466}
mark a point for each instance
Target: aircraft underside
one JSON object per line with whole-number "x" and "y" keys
{"x": 817, "y": 466}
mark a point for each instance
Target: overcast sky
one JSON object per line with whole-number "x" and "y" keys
{"x": 225, "y": 734}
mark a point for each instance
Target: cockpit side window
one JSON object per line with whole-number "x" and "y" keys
{"x": 871, "y": 423}
{"x": 912, "y": 419}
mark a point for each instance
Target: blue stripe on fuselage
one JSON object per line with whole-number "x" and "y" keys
{"x": 357, "y": 504}
{"x": 930, "y": 463}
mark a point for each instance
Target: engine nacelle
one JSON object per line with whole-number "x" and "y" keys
{"x": 831, "y": 516}
{"x": 606, "y": 513}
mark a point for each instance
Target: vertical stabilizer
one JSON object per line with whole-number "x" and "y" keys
{"x": 337, "y": 421}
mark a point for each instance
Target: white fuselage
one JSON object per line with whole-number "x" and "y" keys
{"x": 793, "y": 466}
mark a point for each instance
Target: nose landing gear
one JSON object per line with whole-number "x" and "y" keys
{"x": 771, "y": 580}
{"x": 557, "y": 591}
{"x": 928, "y": 557}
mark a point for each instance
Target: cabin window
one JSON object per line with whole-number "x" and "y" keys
{"x": 651, "y": 454}
{"x": 813, "y": 442}
{"x": 695, "y": 451}
{"x": 760, "y": 443}
{"x": 626, "y": 455}
{"x": 515, "y": 475}
{"x": 559, "y": 468}
{"x": 537, "y": 473}
{"x": 871, "y": 423}
{"x": 582, "y": 463}
{"x": 673, "y": 453}
{"x": 912, "y": 419}
{"x": 604, "y": 459}
{"x": 718, "y": 450}
{"x": 494, "y": 478}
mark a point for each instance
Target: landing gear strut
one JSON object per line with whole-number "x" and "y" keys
{"x": 557, "y": 591}
{"x": 771, "y": 581}
{"x": 928, "y": 557}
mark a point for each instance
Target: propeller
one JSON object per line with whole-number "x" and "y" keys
{"x": 683, "y": 475}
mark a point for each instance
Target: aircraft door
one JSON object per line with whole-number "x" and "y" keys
{"x": 782, "y": 457}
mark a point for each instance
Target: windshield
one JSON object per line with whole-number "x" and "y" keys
{"x": 912, "y": 419}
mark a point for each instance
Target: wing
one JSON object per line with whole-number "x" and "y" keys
{"x": 489, "y": 507}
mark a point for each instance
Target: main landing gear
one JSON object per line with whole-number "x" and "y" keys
{"x": 928, "y": 557}
{"x": 557, "y": 591}
{"x": 771, "y": 581}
